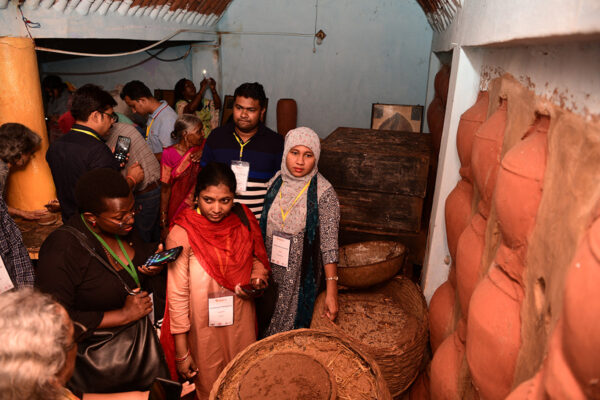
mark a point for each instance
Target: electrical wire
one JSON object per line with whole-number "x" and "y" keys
{"x": 28, "y": 23}
{"x": 77, "y": 53}
{"x": 171, "y": 59}
{"x": 315, "y": 35}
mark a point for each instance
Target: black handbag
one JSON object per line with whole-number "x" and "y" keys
{"x": 119, "y": 359}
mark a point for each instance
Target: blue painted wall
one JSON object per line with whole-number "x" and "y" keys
{"x": 375, "y": 51}
{"x": 108, "y": 72}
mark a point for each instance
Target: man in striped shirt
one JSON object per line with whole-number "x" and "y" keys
{"x": 251, "y": 149}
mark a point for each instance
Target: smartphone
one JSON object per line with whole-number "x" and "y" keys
{"x": 251, "y": 291}
{"x": 122, "y": 148}
{"x": 164, "y": 257}
{"x": 164, "y": 389}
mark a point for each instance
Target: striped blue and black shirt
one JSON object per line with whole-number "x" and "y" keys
{"x": 263, "y": 151}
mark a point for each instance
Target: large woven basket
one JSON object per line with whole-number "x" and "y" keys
{"x": 389, "y": 322}
{"x": 354, "y": 374}
{"x": 369, "y": 263}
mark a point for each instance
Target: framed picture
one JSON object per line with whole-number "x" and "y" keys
{"x": 228, "y": 110}
{"x": 397, "y": 117}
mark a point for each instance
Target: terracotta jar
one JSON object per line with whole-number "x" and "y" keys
{"x": 494, "y": 334}
{"x": 458, "y": 213}
{"x": 420, "y": 387}
{"x": 441, "y": 83}
{"x": 559, "y": 381}
{"x": 511, "y": 261}
{"x": 441, "y": 314}
{"x": 581, "y": 312}
{"x": 287, "y": 115}
{"x": 435, "y": 120}
{"x": 448, "y": 369}
{"x": 529, "y": 390}
{"x": 519, "y": 185}
{"x": 470, "y": 121}
{"x": 485, "y": 155}
{"x": 468, "y": 260}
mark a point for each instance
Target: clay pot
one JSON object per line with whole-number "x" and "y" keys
{"x": 468, "y": 260}
{"x": 581, "y": 311}
{"x": 519, "y": 185}
{"x": 485, "y": 155}
{"x": 435, "y": 120}
{"x": 529, "y": 390}
{"x": 494, "y": 334}
{"x": 287, "y": 115}
{"x": 511, "y": 261}
{"x": 458, "y": 213}
{"x": 441, "y": 315}
{"x": 559, "y": 381}
{"x": 441, "y": 83}
{"x": 447, "y": 369}
{"x": 470, "y": 121}
{"x": 420, "y": 387}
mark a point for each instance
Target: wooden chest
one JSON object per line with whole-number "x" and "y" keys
{"x": 380, "y": 178}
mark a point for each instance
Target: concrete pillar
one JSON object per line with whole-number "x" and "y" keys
{"x": 21, "y": 101}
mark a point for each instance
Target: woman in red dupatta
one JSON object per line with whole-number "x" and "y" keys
{"x": 211, "y": 318}
{"x": 179, "y": 168}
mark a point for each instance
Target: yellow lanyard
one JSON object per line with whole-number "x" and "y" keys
{"x": 86, "y": 132}
{"x": 284, "y": 215}
{"x": 152, "y": 121}
{"x": 242, "y": 145}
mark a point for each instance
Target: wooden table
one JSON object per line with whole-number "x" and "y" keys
{"x": 34, "y": 234}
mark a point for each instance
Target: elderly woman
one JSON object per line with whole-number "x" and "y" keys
{"x": 301, "y": 215}
{"x": 89, "y": 266}
{"x": 39, "y": 350}
{"x": 188, "y": 101}
{"x": 222, "y": 250}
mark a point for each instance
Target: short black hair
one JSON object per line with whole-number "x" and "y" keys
{"x": 214, "y": 174}
{"x": 135, "y": 90}
{"x": 90, "y": 98}
{"x": 253, "y": 91}
{"x": 53, "y": 82}
{"x": 15, "y": 140}
{"x": 96, "y": 185}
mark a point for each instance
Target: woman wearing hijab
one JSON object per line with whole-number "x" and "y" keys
{"x": 300, "y": 222}
{"x": 212, "y": 319}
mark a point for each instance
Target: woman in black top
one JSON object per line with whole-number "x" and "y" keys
{"x": 92, "y": 294}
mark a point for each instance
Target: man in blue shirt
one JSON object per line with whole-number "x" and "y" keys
{"x": 251, "y": 149}
{"x": 161, "y": 117}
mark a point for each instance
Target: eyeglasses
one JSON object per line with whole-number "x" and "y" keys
{"x": 113, "y": 116}
{"x": 120, "y": 221}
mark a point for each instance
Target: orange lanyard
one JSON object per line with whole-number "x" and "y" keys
{"x": 151, "y": 122}
{"x": 242, "y": 145}
{"x": 86, "y": 132}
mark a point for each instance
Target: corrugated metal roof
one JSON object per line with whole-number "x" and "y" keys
{"x": 195, "y": 12}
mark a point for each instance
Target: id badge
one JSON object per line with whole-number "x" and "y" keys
{"x": 220, "y": 308}
{"x": 5, "y": 282}
{"x": 241, "y": 170}
{"x": 280, "y": 251}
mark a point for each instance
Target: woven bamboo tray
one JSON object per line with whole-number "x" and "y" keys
{"x": 354, "y": 375}
{"x": 389, "y": 322}
{"x": 369, "y": 263}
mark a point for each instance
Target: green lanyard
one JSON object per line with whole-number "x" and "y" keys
{"x": 242, "y": 145}
{"x": 129, "y": 266}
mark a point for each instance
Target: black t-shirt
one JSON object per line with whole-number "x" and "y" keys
{"x": 71, "y": 156}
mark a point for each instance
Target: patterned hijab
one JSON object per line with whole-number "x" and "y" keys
{"x": 291, "y": 186}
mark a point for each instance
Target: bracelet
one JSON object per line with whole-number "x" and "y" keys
{"x": 182, "y": 359}
{"x": 332, "y": 278}
{"x": 132, "y": 180}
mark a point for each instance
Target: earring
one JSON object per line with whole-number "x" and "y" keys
{"x": 94, "y": 224}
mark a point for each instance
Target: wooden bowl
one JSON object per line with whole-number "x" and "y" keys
{"x": 366, "y": 264}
